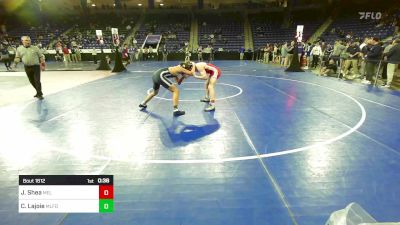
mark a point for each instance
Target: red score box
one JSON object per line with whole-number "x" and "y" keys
{"x": 106, "y": 192}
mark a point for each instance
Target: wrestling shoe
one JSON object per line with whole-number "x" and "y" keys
{"x": 209, "y": 108}
{"x": 179, "y": 113}
{"x": 205, "y": 100}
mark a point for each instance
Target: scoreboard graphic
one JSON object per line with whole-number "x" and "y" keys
{"x": 66, "y": 194}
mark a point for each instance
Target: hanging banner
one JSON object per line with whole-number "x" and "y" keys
{"x": 99, "y": 37}
{"x": 299, "y": 33}
{"x": 115, "y": 36}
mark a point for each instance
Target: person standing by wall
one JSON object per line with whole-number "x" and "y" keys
{"x": 73, "y": 57}
{"x": 5, "y": 57}
{"x": 165, "y": 53}
{"x": 393, "y": 58}
{"x": 67, "y": 57}
{"x": 316, "y": 52}
{"x": 94, "y": 55}
{"x": 241, "y": 52}
{"x": 372, "y": 59}
{"x": 34, "y": 62}
{"x": 200, "y": 53}
{"x": 78, "y": 54}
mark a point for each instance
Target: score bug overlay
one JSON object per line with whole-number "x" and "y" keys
{"x": 66, "y": 194}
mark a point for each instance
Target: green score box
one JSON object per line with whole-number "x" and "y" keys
{"x": 106, "y": 205}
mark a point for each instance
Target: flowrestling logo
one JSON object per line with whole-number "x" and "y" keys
{"x": 370, "y": 15}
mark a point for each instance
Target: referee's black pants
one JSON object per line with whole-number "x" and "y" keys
{"x": 33, "y": 73}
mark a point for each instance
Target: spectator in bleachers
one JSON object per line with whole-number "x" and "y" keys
{"x": 372, "y": 59}
{"x": 353, "y": 54}
{"x": 393, "y": 58}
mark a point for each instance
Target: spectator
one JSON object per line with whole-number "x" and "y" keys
{"x": 290, "y": 51}
{"x": 329, "y": 69}
{"x": 5, "y": 57}
{"x": 165, "y": 53}
{"x": 58, "y": 56}
{"x": 134, "y": 42}
{"x": 316, "y": 52}
{"x": 67, "y": 58}
{"x": 393, "y": 58}
{"x": 384, "y": 63}
{"x": 364, "y": 49}
{"x": 145, "y": 53}
{"x": 94, "y": 55}
{"x": 125, "y": 55}
{"x": 372, "y": 59}
{"x": 284, "y": 54}
{"x": 266, "y": 54}
{"x": 338, "y": 48}
{"x": 353, "y": 54}
{"x": 200, "y": 54}
{"x": 108, "y": 60}
{"x": 207, "y": 53}
{"x": 241, "y": 51}
{"x": 78, "y": 54}
{"x": 73, "y": 55}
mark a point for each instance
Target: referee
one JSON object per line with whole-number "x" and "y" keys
{"x": 33, "y": 60}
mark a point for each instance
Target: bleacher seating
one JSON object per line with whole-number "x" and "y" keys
{"x": 268, "y": 29}
{"x": 228, "y": 31}
{"x": 344, "y": 25}
{"x": 84, "y": 33}
{"x": 175, "y": 30}
{"x": 42, "y": 35}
